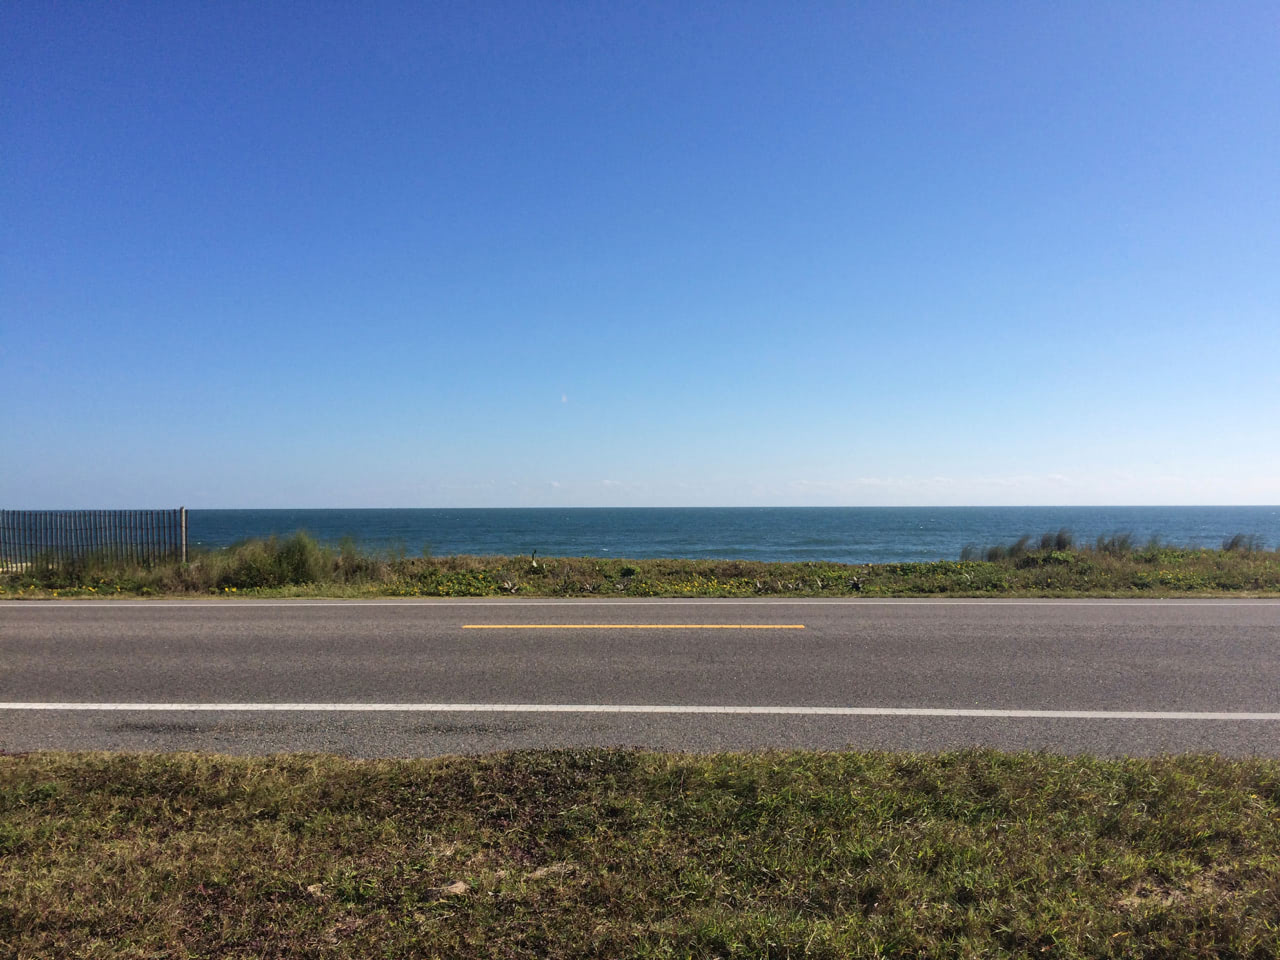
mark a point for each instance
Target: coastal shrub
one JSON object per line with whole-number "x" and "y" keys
{"x": 273, "y": 562}
{"x": 299, "y": 566}
{"x": 302, "y": 560}
{"x": 1062, "y": 540}
{"x": 1116, "y": 545}
{"x": 354, "y": 566}
{"x": 1243, "y": 543}
{"x": 1045, "y": 559}
{"x": 460, "y": 583}
{"x": 1151, "y": 552}
{"x": 1181, "y": 580}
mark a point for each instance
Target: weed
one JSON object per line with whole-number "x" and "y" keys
{"x": 573, "y": 853}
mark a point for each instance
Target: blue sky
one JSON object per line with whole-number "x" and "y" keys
{"x": 322, "y": 254}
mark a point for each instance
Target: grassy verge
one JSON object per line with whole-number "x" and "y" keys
{"x": 614, "y": 853}
{"x": 1053, "y": 567}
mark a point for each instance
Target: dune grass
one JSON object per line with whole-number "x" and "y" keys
{"x": 1051, "y": 566}
{"x": 617, "y": 853}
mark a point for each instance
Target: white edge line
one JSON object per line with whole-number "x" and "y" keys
{"x": 635, "y": 708}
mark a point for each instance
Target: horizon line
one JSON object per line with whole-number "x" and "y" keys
{"x": 780, "y": 506}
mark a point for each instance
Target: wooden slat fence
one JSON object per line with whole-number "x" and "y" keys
{"x": 56, "y": 537}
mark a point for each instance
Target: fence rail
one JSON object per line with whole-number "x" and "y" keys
{"x": 55, "y": 537}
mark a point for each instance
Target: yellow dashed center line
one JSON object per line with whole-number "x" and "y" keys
{"x": 633, "y": 626}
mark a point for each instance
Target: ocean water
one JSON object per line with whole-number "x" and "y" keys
{"x": 844, "y": 534}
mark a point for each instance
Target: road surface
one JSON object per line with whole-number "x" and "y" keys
{"x": 432, "y": 677}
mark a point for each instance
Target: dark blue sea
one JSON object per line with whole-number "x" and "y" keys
{"x": 844, "y": 534}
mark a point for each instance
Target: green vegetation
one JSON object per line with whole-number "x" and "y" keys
{"x": 1052, "y": 566}
{"x": 615, "y": 853}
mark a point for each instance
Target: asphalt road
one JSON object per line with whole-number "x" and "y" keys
{"x": 424, "y": 677}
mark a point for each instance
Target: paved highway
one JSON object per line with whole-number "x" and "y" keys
{"x": 432, "y": 677}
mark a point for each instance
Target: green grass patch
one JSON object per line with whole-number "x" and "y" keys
{"x": 299, "y": 566}
{"x": 614, "y": 853}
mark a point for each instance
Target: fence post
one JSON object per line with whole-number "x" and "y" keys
{"x": 184, "y": 534}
